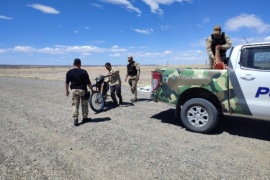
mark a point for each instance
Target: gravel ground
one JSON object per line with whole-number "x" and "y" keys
{"x": 142, "y": 140}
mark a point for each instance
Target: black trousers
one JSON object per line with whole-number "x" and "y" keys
{"x": 116, "y": 89}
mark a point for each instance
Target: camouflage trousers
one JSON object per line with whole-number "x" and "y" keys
{"x": 133, "y": 86}
{"x": 76, "y": 99}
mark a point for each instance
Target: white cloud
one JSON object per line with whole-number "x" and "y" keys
{"x": 25, "y": 49}
{"x": 85, "y": 54}
{"x": 154, "y": 54}
{"x": 167, "y": 52}
{"x": 125, "y": 3}
{"x": 144, "y": 31}
{"x": 239, "y": 41}
{"x": 267, "y": 38}
{"x": 57, "y": 49}
{"x": 5, "y": 17}
{"x": 165, "y": 27}
{"x": 154, "y": 4}
{"x": 206, "y": 20}
{"x": 83, "y": 49}
{"x": 44, "y": 9}
{"x": 97, "y": 5}
{"x": 115, "y": 48}
{"x": 190, "y": 55}
{"x": 199, "y": 43}
{"x": 115, "y": 55}
{"x": 247, "y": 21}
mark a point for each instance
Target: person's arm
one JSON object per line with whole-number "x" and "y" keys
{"x": 218, "y": 62}
{"x": 217, "y": 55}
{"x": 67, "y": 92}
{"x": 90, "y": 87}
{"x": 88, "y": 82}
{"x": 67, "y": 83}
{"x": 126, "y": 77}
{"x": 228, "y": 43}
{"x": 209, "y": 48}
{"x": 138, "y": 71}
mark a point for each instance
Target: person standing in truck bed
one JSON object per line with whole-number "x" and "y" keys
{"x": 221, "y": 40}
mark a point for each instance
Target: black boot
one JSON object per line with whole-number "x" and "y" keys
{"x": 114, "y": 100}
{"x": 120, "y": 101}
{"x": 76, "y": 123}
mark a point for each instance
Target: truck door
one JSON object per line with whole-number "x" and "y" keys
{"x": 253, "y": 76}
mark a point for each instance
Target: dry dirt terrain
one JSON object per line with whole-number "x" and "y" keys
{"x": 136, "y": 141}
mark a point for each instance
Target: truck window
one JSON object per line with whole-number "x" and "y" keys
{"x": 256, "y": 58}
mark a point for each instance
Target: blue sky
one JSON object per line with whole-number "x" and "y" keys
{"x": 43, "y": 32}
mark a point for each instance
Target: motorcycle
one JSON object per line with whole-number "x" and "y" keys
{"x": 98, "y": 97}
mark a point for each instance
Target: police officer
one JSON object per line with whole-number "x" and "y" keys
{"x": 133, "y": 76}
{"x": 223, "y": 43}
{"x": 79, "y": 80}
{"x": 115, "y": 83}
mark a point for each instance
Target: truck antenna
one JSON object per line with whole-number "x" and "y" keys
{"x": 245, "y": 39}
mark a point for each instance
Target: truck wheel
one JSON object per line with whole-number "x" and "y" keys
{"x": 199, "y": 115}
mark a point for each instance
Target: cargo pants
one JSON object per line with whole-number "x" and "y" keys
{"x": 133, "y": 86}
{"x": 76, "y": 99}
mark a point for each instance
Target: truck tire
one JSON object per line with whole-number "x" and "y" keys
{"x": 199, "y": 115}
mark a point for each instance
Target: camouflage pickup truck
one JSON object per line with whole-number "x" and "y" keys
{"x": 201, "y": 96}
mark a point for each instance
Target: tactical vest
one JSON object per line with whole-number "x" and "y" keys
{"x": 131, "y": 69}
{"x": 218, "y": 41}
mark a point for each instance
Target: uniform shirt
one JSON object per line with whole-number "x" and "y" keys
{"x": 79, "y": 78}
{"x": 224, "y": 46}
{"x": 137, "y": 65}
{"x": 114, "y": 79}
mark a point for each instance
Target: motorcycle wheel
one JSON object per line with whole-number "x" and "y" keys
{"x": 96, "y": 102}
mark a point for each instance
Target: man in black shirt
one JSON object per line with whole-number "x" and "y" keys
{"x": 79, "y": 80}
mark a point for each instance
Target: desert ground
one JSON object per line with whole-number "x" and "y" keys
{"x": 136, "y": 141}
{"x": 58, "y": 73}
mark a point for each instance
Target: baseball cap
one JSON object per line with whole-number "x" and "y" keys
{"x": 217, "y": 29}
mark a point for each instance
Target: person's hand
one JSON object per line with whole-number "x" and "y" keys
{"x": 67, "y": 93}
{"x": 137, "y": 78}
{"x": 218, "y": 46}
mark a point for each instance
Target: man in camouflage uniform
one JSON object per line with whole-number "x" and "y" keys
{"x": 133, "y": 73}
{"x": 115, "y": 83}
{"x": 79, "y": 80}
{"x": 223, "y": 43}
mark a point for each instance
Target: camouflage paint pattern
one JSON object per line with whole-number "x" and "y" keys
{"x": 177, "y": 81}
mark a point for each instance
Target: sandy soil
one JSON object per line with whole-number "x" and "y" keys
{"x": 141, "y": 140}
{"x": 58, "y": 73}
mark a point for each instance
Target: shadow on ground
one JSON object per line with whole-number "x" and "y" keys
{"x": 239, "y": 126}
{"x": 246, "y": 127}
{"x": 144, "y": 99}
{"x": 168, "y": 116}
{"x": 95, "y": 120}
